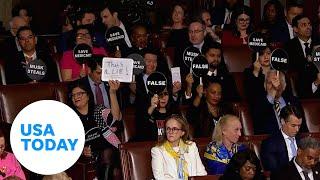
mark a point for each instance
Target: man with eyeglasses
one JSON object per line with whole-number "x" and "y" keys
{"x": 15, "y": 71}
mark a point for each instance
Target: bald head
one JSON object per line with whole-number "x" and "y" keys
{"x": 15, "y": 23}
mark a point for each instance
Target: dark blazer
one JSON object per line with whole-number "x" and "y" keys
{"x": 264, "y": 117}
{"x": 274, "y": 154}
{"x": 290, "y": 172}
{"x": 307, "y": 71}
{"x": 15, "y": 69}
{"x": 280, "y": 32}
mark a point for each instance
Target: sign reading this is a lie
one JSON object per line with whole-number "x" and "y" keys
{"x": 120, "y": 69}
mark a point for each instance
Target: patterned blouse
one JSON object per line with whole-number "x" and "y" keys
{"x": 217, "y": 156}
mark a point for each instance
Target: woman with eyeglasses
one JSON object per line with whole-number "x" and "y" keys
{"x": 9, "y": 166}
{"x": 241, "y": 28}
{"x": 70, "y": 68}
{"x": 243, "y": 165}
{"x": 224, "y": 144}
{"x": 176, "y": 157}
{"x": 102, "y": 148}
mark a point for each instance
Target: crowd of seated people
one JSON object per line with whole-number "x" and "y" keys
{"x": 188, "y": 109}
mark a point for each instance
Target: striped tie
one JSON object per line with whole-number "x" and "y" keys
{"x": 277, "y": 107}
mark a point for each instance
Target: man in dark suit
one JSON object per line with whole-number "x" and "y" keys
{"x": 15, "y": 68}
{"x": 299, "y": 51}
{"x": 267, "y": 105}
{"x": 283, "y": 31}
{"x": 280, "y": 148}
{"x": 304, "y": 165}
{"x": 221, "y": 15}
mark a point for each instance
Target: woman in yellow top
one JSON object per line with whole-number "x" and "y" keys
{"x": 176, "y": 157}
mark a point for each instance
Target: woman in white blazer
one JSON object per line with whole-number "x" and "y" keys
{"x": 175, "y": 157}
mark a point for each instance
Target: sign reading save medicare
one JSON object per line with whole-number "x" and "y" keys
{"x": 47, "y": 137}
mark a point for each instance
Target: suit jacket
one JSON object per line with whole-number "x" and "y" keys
{"x": 264, "y": 117}
{"x": 274, "y": 154}
{"x": 290, "y": 172}
{"x": 15, "y": 69}
{"x": 164, "y": 166}
{"x": 307, "y": 71}
{"x": 280, "y": 32}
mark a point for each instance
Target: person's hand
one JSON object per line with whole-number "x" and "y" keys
{"x": 200, "y": 90}
{"x": 117, "y": 54}
{"x": 3, "y": 169}
{"x": 256, "y": 67}
{"x": 275, "y": 83}
{"x": 317, "y": 81}
{"x": 189, "y": 80}
{"x": 114, "y": 85}
{"x": 212, "y": 33}
{"x": 176, "y": 87}
{"x": 87, "y": 151}
{"x": 154, "y": 101}
{"x": 113, "y": 129}
{"x": 82, "y": 72}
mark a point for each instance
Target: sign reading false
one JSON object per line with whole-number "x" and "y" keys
{"x": 115, "y": 36}
{"x": 200, "y": 67}
{"x": 316, "y": 57}
{"x": 279, "y": 60}
{"x": 120, "y": 69}
{"x": 156, "y": 82}
{"x": 36, "y": 69}
{"x": 256, "y": 41}
{"x": 82, "y": 52}
{"x": 138, "y": 63}
{"x": 189, "y": 54}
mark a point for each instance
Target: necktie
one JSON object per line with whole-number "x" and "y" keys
{"x": 277, "y": 107}
{"x": 305, "y": 173}
{"x": 293, "y": 147}
{"x": 98, "y": 92}
{"x": 307, "y": 49}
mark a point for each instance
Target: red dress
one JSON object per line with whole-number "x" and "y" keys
{"x": 230, "y": 40}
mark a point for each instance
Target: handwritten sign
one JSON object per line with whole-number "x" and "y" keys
{"x": 120, "y": 69}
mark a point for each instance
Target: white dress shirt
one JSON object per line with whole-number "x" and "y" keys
{"x": 310, "y": 174}
{"x": 288, "y": 142}
{"x": 291, "y": 33}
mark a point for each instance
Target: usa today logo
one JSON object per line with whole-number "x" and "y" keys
{"x": 47, "y": 137}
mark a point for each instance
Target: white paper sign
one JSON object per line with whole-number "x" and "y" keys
{"x": 120, "y": 69}
{"x": 175, "y": 72}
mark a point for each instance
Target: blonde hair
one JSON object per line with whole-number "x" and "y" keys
{"x": 217, "y": 132}
{"x": 60, "y": 176}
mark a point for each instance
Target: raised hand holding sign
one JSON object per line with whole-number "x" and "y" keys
{"x": 82, "y": 52}
{"x": 256, "y": 42}
{"x": 189, "y": 54}
{"x": 316, "y": 57}
{"x": 200, "y": 67}
{"x": 36, "y": 69}
{"x": 115, "y": 36}
{"x": 279, "y": 60}
{"x": 156, "y": 82}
